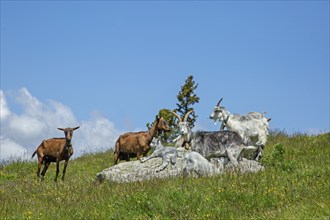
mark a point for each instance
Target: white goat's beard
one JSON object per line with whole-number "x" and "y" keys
{"x": 216, "y": 122}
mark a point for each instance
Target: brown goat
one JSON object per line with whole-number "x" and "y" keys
{"x": 55, "y": 150}
{"x": 138, "y": 143}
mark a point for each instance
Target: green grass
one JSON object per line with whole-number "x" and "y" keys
{"x": 295, "y": 185}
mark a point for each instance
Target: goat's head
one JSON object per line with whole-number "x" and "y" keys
{"x": 155, "y": 142}
{"x": 68, "y": 132}
{"x": 265, "y": 120}
{"x": 217, "y": 113}
{"x": 183, "y": 124}
{"x": 162, "y": 124}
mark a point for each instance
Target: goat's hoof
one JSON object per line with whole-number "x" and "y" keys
{"x": 160, "y": 169}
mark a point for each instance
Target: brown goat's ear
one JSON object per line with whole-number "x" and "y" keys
{"x": 62, "y": 129}
{"x": 269, "y": 119}
{"x": 75, "y": 128}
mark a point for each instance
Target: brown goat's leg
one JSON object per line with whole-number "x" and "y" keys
{"x": 40, "y": 159}
{"x": 44, "y": 170}
{"x": 57, "y": 169}
{"x": 116, "y": 153}
{"x": 64, "y": 169}
{"x": 116, "y": 156}
{"x": 128, "y": 157}
{"x": 139, "y": 156}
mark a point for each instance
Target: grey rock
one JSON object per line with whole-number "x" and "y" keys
{"x": 135, "y": 171}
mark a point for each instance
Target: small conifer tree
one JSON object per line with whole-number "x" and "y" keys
{"x": 187, "y": 98}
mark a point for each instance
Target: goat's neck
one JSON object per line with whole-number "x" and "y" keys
{"x": 153, "y": 129}
{"x": 189, "y": 136}
{"x": 232, "y": 123}
{"x": 226, "y": 114}
{"x": 159, "y": 147}
{"x": 68, "y": 143}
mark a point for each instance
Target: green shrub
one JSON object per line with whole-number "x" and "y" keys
{"x": 277, "y": 159}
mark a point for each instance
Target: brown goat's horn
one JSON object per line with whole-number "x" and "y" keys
{"x": 180, "y": 120}
{"x": 219, "y": 102}
{"x": 187, "y": 115}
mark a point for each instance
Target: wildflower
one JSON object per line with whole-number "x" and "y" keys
{"x": 28, "y": 215}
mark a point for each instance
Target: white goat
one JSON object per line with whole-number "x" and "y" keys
{"x": 247, "y": 126}
{"x": 168, "y": 154}
{"x": 197, "y": 165}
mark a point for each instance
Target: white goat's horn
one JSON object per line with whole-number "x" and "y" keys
{"x": 187, "y": 115}
{"x": 219, "y": 102}
{"x": 180, "y": 120}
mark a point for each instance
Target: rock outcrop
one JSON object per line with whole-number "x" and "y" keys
{"x": 136, "y": 171}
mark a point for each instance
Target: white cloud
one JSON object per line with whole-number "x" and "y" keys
{"x": 10, "y": 150}
{"x": 96, "y": 134}
{"x": 25, "y": 126}
{"x": 22, "y": 133}
{"x": 4, "y": 110}
{"x": 30, "y": 104}
{"x": 316, "y": 131}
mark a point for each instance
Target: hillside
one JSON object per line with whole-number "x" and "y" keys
{"x": 295, "y": 185}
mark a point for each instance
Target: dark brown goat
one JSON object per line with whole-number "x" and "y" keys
{"x": 138, "y": 143}
{"x": 55, "y": 150}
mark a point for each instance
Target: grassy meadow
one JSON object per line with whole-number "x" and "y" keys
{"x": 295, "y": 185}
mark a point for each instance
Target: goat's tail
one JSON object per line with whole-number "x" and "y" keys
{"x": 34, "y": 153}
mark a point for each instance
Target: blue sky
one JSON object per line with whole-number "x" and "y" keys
{"x": 112, "y": 65}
